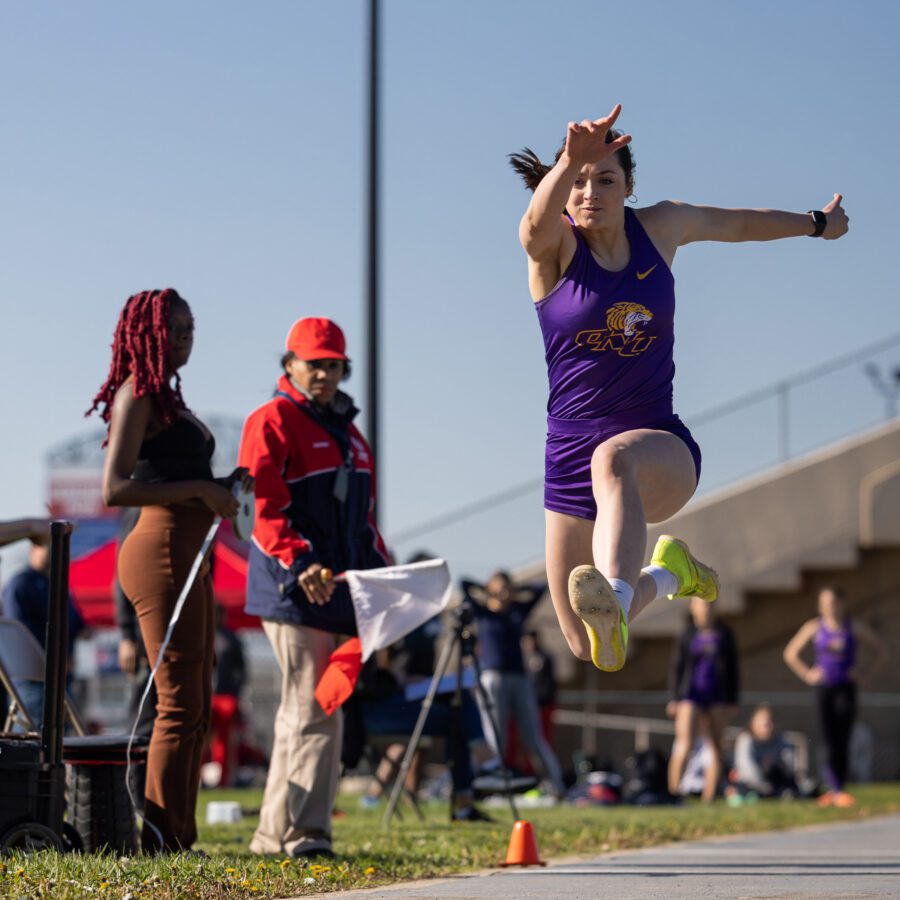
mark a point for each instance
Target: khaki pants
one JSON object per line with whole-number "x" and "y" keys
{"x": 305, "y": 765}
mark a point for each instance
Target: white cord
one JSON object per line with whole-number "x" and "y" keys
{"x": 192, "y": 575}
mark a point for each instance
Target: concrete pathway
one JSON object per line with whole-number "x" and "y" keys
{"x": 845, "y": 860}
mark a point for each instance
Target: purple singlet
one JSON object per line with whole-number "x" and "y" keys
{"x": 608, "y": 341}
{"x": 835, "y": 653}
{"x": 704, "y": 689}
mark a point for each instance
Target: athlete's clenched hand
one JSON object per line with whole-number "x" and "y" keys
{"x": 838, "y": 223}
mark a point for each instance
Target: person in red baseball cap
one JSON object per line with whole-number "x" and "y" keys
{"x": 315, "y": 359}
{"x": 315, "y": 493}
{"x": 316, "y": 338}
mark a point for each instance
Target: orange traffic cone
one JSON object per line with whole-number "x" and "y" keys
{"x": 523, "y": 850}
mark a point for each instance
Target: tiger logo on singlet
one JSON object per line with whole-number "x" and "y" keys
{"x": 625, "y": 316}
{"x": 622, "y": 333}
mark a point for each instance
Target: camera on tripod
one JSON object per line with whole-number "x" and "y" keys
{"x": 461, "y": 616}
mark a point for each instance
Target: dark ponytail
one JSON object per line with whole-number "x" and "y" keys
{"x": 529, "y": 166}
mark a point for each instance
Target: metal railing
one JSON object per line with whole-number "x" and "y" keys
{"x": 591, "y": 723}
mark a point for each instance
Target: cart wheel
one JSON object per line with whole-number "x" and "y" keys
{"x": 30, "y": 837}
{"x": 71, "y": 839}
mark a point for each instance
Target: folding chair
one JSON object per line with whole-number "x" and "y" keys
{"x": 22, "y": 659}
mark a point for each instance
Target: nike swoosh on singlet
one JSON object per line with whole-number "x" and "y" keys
{"x": 642, "y": 275}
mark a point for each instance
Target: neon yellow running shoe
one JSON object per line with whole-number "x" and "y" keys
{"x": 595, "y": 603}
{"x": 694, "y": 578}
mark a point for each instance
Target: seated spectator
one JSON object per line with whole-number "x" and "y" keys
{"x": 18, "y": 530}
{"x": 385, "y": 710}
{"x": 26, "y": 598}
{"x": 409, "y": 659}
{"x": 763, "y": 759}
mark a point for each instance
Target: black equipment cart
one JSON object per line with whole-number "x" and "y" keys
{"x": 33, "y": 784}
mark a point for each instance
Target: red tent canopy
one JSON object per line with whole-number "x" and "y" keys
{"x": 92, "y": 576}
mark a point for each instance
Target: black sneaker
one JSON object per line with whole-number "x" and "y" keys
{"x": 321, "y": 853}
{"x": 469, "y": 814}
{"x": 502, "y": 781}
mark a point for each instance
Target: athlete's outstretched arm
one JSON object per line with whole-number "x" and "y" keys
{"x": 683, "y": 223}
{"x": 541, "y": 228}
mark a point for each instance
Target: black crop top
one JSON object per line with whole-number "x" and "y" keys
{"x": 181, "y": 452}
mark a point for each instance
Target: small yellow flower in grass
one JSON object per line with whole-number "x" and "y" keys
{"x": 20, "y": 872}
{"x": 104, "y": 885}
{"x": 230, "y": 871}
{"x": 261, "y": 866}
{"x": 284, "y": 863}
{"x": 370, "y": 870}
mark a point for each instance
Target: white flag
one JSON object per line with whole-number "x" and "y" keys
{"x": 391, "y": 602}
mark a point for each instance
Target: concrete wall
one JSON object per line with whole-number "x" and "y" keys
{"x": 832, "y": 517}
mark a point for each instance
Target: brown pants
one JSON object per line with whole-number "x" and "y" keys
{"x": 153, "y": 566}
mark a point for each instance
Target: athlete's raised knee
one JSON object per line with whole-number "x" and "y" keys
{"x": 612, "y": 462}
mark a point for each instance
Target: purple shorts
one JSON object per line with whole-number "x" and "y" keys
{"x": 571, "y": 444}
{"x": 704, "y": 700}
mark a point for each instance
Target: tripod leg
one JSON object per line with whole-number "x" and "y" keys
{"x": 489, "y": 715}
{"x": 416, "y": 736}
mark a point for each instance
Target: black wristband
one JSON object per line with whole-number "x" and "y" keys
{"x": 820, "y": 220}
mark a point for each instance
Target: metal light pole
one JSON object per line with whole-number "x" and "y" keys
{"x": 372, "y": 317}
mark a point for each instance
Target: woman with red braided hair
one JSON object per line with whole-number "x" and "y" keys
{"x": 158, "y": 459}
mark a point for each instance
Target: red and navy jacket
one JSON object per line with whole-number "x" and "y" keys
{"x": 315, "y": 491}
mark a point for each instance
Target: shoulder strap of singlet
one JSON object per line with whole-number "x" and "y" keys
{"x": 641, "y": 245}
{"x": 581, "y": 244}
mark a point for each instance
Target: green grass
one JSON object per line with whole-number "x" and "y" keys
{"x": 370, "y": 856}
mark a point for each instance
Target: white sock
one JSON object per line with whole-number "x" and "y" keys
{"x": 666, "y": 582}
{"x": 624, "y": 592}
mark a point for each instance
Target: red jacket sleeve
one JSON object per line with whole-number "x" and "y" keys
{"x": 264, "y": 452}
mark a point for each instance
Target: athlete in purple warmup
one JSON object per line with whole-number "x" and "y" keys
{"x": 617, "y": 456}
{"x": 835, "y": 674}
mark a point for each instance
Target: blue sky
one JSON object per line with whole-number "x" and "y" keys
{"x": 218, "y": 147}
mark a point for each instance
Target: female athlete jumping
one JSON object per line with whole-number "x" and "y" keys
{"x": 617, "y": 457}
